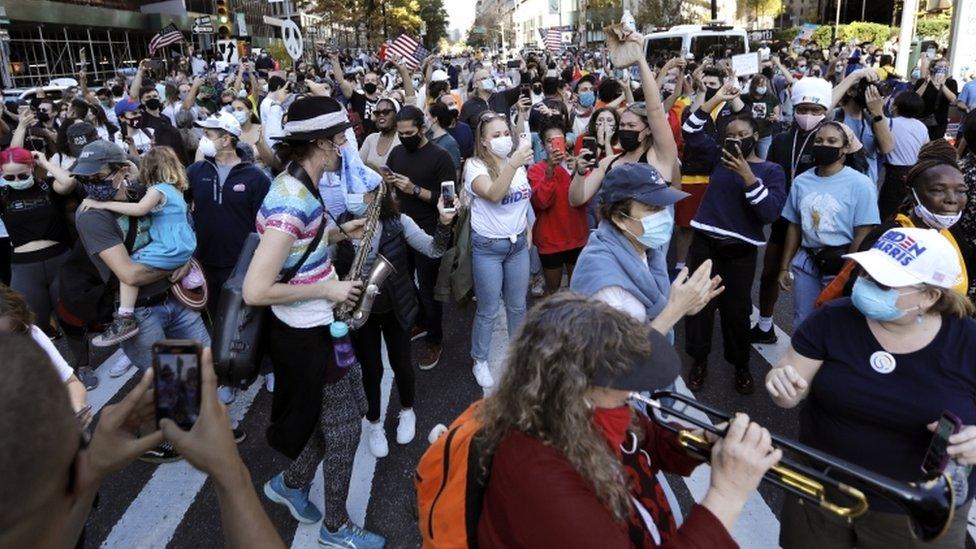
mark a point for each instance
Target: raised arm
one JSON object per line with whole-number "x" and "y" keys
{"x": 64, "y": 182}
{"x": 346, "y": 87}
{"x": 136, "y": 85}
{"x": 841, "y": 89}
{"x": 664, "y": 147}
{"x": 191, "y": 96}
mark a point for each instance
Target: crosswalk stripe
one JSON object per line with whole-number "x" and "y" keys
{"x": 771, "y": 353}
{"x": 152, "y": 518}
{"x": 108, "y": 386}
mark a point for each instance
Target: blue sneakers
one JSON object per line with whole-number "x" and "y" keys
{"x": 350, "y": 536}
{"x": 295, "y": 499}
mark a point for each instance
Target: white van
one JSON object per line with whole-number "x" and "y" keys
{"x": 696, "y": 40}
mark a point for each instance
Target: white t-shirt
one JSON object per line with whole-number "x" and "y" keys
{"x": 142, "y": 140}
{"x": 64, "y": 370}
{"x": 910, "y": 134}
{"x": 503, "y": 219}
{"x": 271, "y": 114}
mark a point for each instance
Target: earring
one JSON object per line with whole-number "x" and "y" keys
{"x": 587, "y": 402}
{"x": 918, "y": 319}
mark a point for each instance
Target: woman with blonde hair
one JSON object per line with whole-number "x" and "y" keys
{"x": 875, "y": 372}
{"x": 173, "y": 240}
{"x": 571, "y": 464}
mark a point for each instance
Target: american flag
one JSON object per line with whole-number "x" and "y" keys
{"x": 554, "y": 40}
{"x": 410, "y": 50}
{"x": 169, "y": 35}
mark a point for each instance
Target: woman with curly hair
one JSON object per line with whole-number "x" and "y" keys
{"x": 572, "y": 465}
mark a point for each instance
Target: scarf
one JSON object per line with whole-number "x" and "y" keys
{"x": 353, "y": 175}
{"x": 609, "y": 260}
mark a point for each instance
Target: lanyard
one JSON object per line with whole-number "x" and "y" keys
{"x": 794, "y": 159}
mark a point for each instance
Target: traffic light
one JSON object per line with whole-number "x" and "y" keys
{"x": 224, "y": 29}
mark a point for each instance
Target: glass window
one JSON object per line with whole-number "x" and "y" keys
{"x": 662, "y": 49}
{"x": 715, "y": 45}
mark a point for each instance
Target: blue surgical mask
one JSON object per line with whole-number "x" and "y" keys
{"x": 587, "y": 99}
{"x": 876, "y": 303}
{"x": 21, "y": 184}
{"x": 488, "y": 84}
{"x": 355, "y": 204}
{"x": 657, "y": 229}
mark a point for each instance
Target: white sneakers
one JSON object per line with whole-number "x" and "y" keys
{"x": 120, "y": 367}
{"x": 269, "y": 382}
{"x": 407, "y": 427}
{"x": 482, "y": 374}
{"x": 376, "y": 437}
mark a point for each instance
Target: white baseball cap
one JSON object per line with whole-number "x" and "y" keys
{"x": 812, "y": 90}
{"x": 223, "y": 120}
{"x": 906, "y": 257}
{"x": 439, "y": 75}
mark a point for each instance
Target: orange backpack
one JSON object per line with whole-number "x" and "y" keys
{"x": 451, "y": 485}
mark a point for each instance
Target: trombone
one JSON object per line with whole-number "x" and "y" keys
{"x": 929, "y": 503}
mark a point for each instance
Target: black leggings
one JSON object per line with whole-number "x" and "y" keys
{"x": 366, "y": 341}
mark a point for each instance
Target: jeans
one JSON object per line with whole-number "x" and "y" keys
{"x": 762, "y": 146}
{"x": 500, "y": 268}
{"x": 807, "y": 285}
{"x": 168, "y": 320}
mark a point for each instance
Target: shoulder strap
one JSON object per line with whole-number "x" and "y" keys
{"x": 298, "y": 173}
{"x": 131, "y": 233}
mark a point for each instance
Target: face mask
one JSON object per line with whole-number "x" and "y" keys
{"x": 207, "y": 147}
{"x": 355, "y": 204}
{"x": 134, "y": 122}
{"x": 747, "y": 145}
{"x": 102, "y": 191}
{"x": 629, "y": 139}
{"x": 242, "y": 93}
{"x": 934, "y": 220}
{"x": 825, "y": 156}
{"x": 761, "y": 90}
{"x": 411, "y": 143}
{"x": 501, "y": 146}
{"x": 455, "y": 113}
{"x": 108, "y": 102}
{"x": 875, "y": 303}
{"x": 488, "y": 84}
{"x": 587, "y": 99}
{"x": 710, "y": 93}
{"x": 21, "y": 184}
{"x": 153, "y": 104}
{"x": 242, "y": 117}
{"x": 613, "y": 424}
{"x": 369, "y": 88}
{"x": 657, "y": 229}
{"x": 183, "y": 95}
{"x": 537, "y": 89}
{"x": 808, "y": 122}
{"x": 43, "y": 117}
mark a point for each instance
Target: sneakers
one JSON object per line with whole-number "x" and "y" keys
{"x": 376, "y": 437}
{"x": 240, "y": 435}
{"x": 120, "y": 367}
{"x": 295, "y": 499}
{"x": 482, "y": 374}
{"x": 122, "y": 328}
{"x": 87, "y": 378}
{"x": 269, "y": 382}
{"x": 430, "y": 355}
{"x": 164, "y": 453}
{"x": 696, "y": 377}
{"x": 538, "y": 287}
{"x": 407, "y": 427}
{"x": 417, "y": 332}
{"x": 227, "y": 394}
{"x": 757, "y": 335}
{"x": 350, "y": 536}
{"x": 743, "y": 381}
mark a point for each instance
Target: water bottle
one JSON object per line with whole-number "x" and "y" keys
{"x": 344, "y": 353}
{"x": 959, "y": 477}
{"x": 628, "y": 22}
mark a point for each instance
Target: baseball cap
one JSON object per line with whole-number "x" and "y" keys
{"x": 642, "y": 373}
{"x": 124, "y": 106}
{"x": 640, "y": 182}
{"x": 223, "y": 120}
{"x": 907, "y": 256}
{"x": 812, "y": 90}
{"x": 95, "y": 156}
{"x": 79, "y": 135}
{"x": 439, "y": 75}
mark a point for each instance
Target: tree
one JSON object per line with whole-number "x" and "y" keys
{"x": 432, "y": 12}
{"x": 381, "y": 19}
{"x": 754, "y": 9}
{"x": 660, "y": 13}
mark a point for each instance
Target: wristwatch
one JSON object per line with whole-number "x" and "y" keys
{"x": 416, "y": 190}
{"x": 877, "y": 118}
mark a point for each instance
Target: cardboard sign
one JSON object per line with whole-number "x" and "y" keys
{"x": 745, "y": 64}
{"x": 227, "y": 50}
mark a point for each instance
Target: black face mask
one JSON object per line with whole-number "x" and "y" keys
{"x": 824, "y": 155}
{"x": 369, "y": 88}
{"x": 43, "y": 117}
{"x": 629, "y": 140}
{"x": 153, "y": 104}
{"x": 117, "y": 91}
{"x": 537, "y": 89}
{"x": 411, "y": 143}
{"x": 134, "y": 122}
{"x": 710, "y": 93}
{"x": 747, "y": 145}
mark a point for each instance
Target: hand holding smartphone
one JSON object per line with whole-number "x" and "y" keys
{"x": 177, "y": 381}
{"x": 731, "y": 146}
{"x": 937, "y": 456}
{"x": 590, "y": 144}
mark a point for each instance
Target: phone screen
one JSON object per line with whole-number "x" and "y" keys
{"x": 526, "y": 91}
{"x": 732, "y": 146}
{"x": 176, "y": 367}
{"x": 450, "y": 197}
{"x": 936, "y": 457}
{"x": 590, "y": 144}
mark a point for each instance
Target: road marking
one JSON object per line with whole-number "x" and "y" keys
{"x": 363, "y": 470}
{"x": 108, "y": 385}
{"x": 771, "y": 353}
{"x": 152, "y": 518}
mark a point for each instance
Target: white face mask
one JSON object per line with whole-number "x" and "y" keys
{"x": 241, "y": 116}
{"x": 501, "y": 146}
{"x": 207, "y": 147}
{"x": 932, "y": 219}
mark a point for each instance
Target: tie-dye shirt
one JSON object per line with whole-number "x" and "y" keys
{"x": 289, "y": 207}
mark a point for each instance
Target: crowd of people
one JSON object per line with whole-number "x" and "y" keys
{"x": 625, "y": 198}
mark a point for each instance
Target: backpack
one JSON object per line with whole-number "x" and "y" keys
{"x": 451, "y": 485}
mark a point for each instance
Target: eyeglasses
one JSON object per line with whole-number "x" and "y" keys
{"x": 489, "y": 115}
{"x": 383, "y": 112}
{"x": 16, "y": 177}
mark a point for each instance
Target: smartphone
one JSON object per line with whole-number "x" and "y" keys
{"x": 385, "y": 172}
{"x": 558, "y": 144}
{"x": 525, "y": 91}
{"x": 514, "y": 63}
{"x": 936, "y": 457}
{"x": 590, "y": 144}
{"x": 732, "y": 146}
{"x": 176, "y": 369}
{"x": 450, "y": 197}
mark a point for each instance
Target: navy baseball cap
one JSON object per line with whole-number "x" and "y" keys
{"x": 643, "y": 373}
{"x": 640, "y": 182}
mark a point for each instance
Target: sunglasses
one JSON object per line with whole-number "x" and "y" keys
{"x": 383, "y": 112}
{"x": 16, "y": 177}
{"x": 489, "y": 115}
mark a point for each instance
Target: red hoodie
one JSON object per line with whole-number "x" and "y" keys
{"x": 558, "y": 227}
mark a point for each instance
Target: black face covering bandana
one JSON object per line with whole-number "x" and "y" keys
{"x": 153, "y": 104}
{"x": 824, "y": 155}
{"x": 43, "y": 117}
{"x": 629, "y": 139}
{"x": 710, "y": 93}
{"x": 369, "y": 88}
{"x": 411, "y": 143}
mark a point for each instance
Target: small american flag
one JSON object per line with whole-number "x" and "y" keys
{"x": 554, "y": 40}
{"x": 409, "y": 49}
{"x": 169, "y": 35}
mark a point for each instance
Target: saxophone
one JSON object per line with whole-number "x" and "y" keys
{"x": 356, "y": 315}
